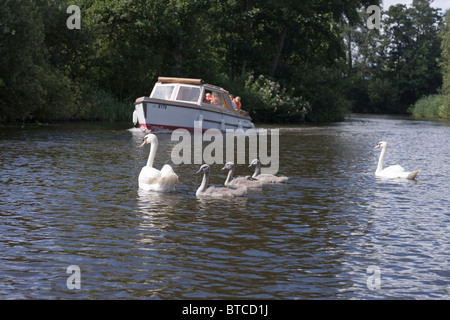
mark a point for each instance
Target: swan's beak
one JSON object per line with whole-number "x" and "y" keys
{"x": 199, "y": 170}
{"x": 223, "y": 168}
{"x": 143, "y": 143}
{"x": 377, "y": 146}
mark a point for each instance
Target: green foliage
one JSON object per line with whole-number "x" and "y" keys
{"x": 399, "y": 65}
{"x": 61, "y": 98}
{"x": 40, "y": 62}
{"x": 323, "y": 88}
{"x": 383, "y": 96}
{"x": 428, "y": 106}
{"x": 444, "y": 109}
{"x": 102, "y": 106}
{"x": 433, "y": 106}
{"x": 275, "y": 103}
{"x": 22, "y": 60}
{"x": 438, "y": 105}
{"x": 355, "y": 90}
{"x": 445, "y": 56}
{"x": 31, "y": 86}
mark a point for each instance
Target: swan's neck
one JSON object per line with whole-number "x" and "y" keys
{"x": 205, "y": 182}
{"x": 151, "y": 156}
{"x": 381, "y": 159}
{"x": 230, "y": 175}
{"x": 257, "y": 170}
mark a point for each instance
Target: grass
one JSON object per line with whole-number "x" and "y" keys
{"x": 107, "y": 108}
{"x": 432, "y": 106}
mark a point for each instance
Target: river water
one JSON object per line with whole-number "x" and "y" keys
{"x": 69, "y": 197}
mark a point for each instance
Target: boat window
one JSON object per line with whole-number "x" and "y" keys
{"x": 163, "y": 92}
{"x": 190, "y": 94}
{"x": 213, "y": 97}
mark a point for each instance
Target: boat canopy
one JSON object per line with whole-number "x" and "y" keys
{"x": 193, "y": 91}
{"x": 180, "y": 80}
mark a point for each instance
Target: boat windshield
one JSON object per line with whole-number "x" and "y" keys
{"x": 190, "y": 94}
{"x": 163, "y": 92}
{"x": 213, "y": 97}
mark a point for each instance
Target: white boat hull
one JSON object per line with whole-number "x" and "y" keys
{"x": 155, "y": 115}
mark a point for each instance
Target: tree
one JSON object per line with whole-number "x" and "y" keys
{"x": 21, "y": 59}
{"x": 445, "y": 55}
{"x": 30, "y": 86}
{"x": 400, "y": 60}
{"x": 411, "y": 49}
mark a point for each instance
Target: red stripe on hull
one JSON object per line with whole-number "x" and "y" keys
{"x": 154, "y": 127}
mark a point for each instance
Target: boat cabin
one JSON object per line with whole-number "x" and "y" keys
{"x": 192, "y": 91}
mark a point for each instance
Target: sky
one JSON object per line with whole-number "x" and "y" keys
{"x": 442, "y": 4}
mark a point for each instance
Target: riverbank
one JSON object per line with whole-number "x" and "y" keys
{"x": 432, "y": 106}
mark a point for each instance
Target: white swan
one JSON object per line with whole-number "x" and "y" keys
{"x": 239, "y": 181}
{"x": 151, "y": 179}
{"x": 391, "y": 172}
{"x": 265, "y": 177}
{"x": 217, "y": 192}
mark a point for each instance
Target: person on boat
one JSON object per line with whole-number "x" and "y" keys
{"x": 215, "y": 98}
{"x": 208, "y": 98}
{"x": 237, "y": 103}
{"x": 232, "y": 102}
